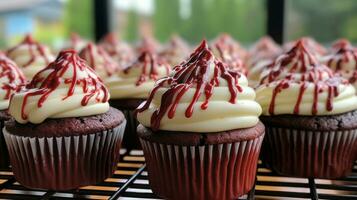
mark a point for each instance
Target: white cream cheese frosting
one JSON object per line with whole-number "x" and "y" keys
{"x": 137, "y": 80}
{"x": 297, "y": 84}
{"x": 30, "y": 56}
{"x": 11, "y": 78}
{"x": 99, "y": 60}
{"x": 201, "y": 95}
{"x": 67, "y": 87}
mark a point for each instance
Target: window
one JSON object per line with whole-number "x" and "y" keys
{"x": 50, "y": 21}
{"x": 192, "y": 19}
{"x": 325, "y": 20}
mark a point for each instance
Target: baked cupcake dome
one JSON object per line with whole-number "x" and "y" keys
{"x": 298, "y": 88}
{"x": 200, "y": 131}
{"x": 67, "y": 146}
{"x": 30, "y": 56}
{"x": 11, "y": 79}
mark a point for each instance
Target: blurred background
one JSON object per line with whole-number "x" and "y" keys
{"x": 52, "y": 21}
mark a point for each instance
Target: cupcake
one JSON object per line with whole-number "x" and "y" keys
{"x": 314, "y": 47}
{"x": 343, "y": 60}
{"x": 200, "y": 131}
{"x": 230, "y": 52}
{"x": 131, "y": 86}
{"x": 119, "y": 51}
{"x": 148, "y": 43}
{"x": 30, "y": 56}
{"x": 76, "y": 42}
{"x": 175, "y": 51}
{"x": 260, "y": 56}
{"x": 339, "y": 44}
{"x": 63, "y": 134}
{"x": 99, "y": 60}
{"x": 11, "y": 78}
{"x": 310, "y": 117}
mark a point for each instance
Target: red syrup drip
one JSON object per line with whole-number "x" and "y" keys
{"x": 92, "y": 52}
{"x": 309, "y": 71}
{"x": 66, "y": 60}
{"x": 344, "y": 55}
{"x": 28, "y": 40}
{"x": 13, "y": 74}
{"x": 226, "y": 45}
{"x": 192, "y": 73}
{"x": 150, "y": 64}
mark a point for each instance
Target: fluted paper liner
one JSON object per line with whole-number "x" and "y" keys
{"x": 219, "y": 171}
{"x": 301, "y": 153}
{"x": 62, "y": 163}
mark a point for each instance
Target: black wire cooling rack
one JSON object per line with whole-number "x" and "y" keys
{"x": 130, "y": 181}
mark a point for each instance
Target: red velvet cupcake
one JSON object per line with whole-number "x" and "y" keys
{"x": 310, "y": 117}
{"x": 11, "y": 78}
{"x": 200, "y": 131}
{"x": 63, "y": 134}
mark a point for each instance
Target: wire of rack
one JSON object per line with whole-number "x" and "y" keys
{"x": 130, "y": 181}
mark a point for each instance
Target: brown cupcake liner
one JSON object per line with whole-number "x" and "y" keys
{"x": 67, "y": 162}
{"x": 309, "y": 154}
{"x": 218, "y": 171}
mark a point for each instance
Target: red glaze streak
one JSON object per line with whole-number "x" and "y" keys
{"x": 14, "y": 76}
{"x": 193, "y": 73}
{"x": 299, "y": 66}
{"x": 92, "y": 52}
{"x": 149, "y": 63}
{"x": 34, "y": 47}
{"x": 67, "y": 60}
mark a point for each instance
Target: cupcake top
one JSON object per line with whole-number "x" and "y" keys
{"x": 120, "y": 51}
{"x": 339, "y": 44}
{"x": 76, "y": 42}
{"x": 11, "y": 78}
{"x": 136, "y": 80}
{"x": 314, "y": 47}
{"x": 67, "y": 87}
{"x": 260, "y": 56}
{"x": 201, "y": 95}
{"x": 30, "y": 56}
{"x": 229, "y": 51}
{"x": 99, "y": 60}
{"x": 175, "y": 51}
{"x": 148, "y": 43}
{"x": 343, "y": 61}
{"x": 297, "y": 84}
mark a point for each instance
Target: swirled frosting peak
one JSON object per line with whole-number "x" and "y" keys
{"x": 11, "y": 78}
{"x": 230, "y": 52}
{"x": 30, "y": 56}
{"x": 343, "y": 61}
{"x": 67, "y": 87}
{"x": 119, "y": 50}
{"x": 99, "y": 60}
{"x": 297, "y": 84}
{"x": 201, "y": 95}
{"x": 175, "y": 51}
{"x": 137, "y": 79}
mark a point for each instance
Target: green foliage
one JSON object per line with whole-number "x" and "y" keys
{"x": 79, "y": 17}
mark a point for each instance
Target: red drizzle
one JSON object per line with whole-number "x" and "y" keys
{"x": 35, "y": 49}
{"x": 14, "y": 76}
{"x": 149, "y": 63}
{"x": 118, "y": 50}
{"x": 92, "y": 52}
{"x": 66, "y": 61}
{"x": 264, "y": 49}
{"x": 299, "y": 66}
{"x": 192, "y": 73}
{"x": 229, "y": 51}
